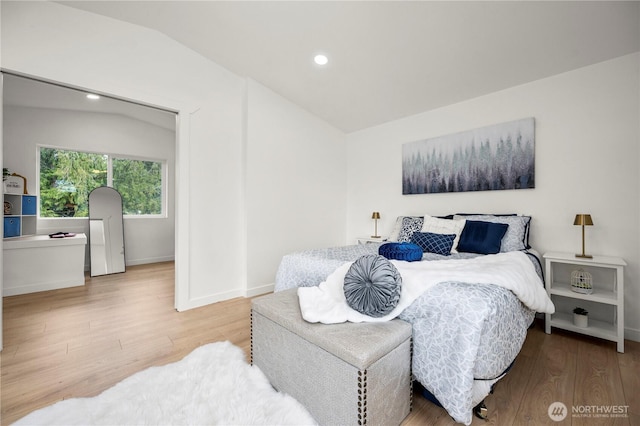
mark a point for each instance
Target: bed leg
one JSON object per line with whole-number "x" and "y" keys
{"x": 481, "y": 411}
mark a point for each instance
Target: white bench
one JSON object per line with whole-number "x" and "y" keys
{"x": 344, "y": 374}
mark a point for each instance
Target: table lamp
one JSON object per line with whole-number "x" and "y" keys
{"x": 375, "y": 216}
{"x": 583, "y": 220}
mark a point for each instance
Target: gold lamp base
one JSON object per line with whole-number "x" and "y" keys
{"x": 585, "y": 256}
{"x": 583, "y": 219}
{"x": 375, "y": 216}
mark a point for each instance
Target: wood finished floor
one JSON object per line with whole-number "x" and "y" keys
{"x": 77, "y": 342}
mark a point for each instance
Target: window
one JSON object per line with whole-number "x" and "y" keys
{"x": 67, "y": 178}
{"x": 140, "y": 184}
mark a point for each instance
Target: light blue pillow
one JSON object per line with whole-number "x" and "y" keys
{"x": 372, "y": 286}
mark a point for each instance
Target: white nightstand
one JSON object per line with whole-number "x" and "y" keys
{"x": 607, "y": 296}
{"x": 367, "y": 240}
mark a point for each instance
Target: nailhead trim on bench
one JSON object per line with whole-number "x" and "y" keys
{"x": 362, "y": 397}
{"x": 251, "y": 337}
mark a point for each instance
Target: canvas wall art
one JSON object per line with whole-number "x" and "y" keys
{"x": 489, "y": 158}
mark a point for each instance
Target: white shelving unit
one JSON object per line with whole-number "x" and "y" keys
{"x": 608, "y": 291}
{"x": 22, "y": 217}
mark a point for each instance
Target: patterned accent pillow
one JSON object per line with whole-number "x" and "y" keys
{"x": 398, "y": 227}
{"x": 410, "y": 224}
{"x": 516, "y": 237}
{"x": 436, "y": 225}
{"x": 434, "y": 243}
{"x": 372, "y": 286}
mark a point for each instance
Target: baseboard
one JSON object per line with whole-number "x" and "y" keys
{"x": 38, "y": 287}
{"x": 133, "y": 262}
{"x": 207, "y": 300}
{"x": 257, "y": 291}
{"x": 632, "y": 334}
{"x": 87, "y": 267}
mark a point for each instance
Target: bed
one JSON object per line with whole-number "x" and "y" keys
{"x": 467, "y": 331}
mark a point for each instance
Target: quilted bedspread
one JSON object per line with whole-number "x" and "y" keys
{"x": 311, "y": 267}
{"x": 465, "y": 335}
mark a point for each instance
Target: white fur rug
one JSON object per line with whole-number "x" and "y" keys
{"x": 213, "y": 385}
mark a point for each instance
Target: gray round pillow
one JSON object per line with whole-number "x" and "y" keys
{"x": 372, "y": 286}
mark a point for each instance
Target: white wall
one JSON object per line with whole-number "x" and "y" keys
{"x": 76, "y": 48}
{"x": 587, "y": 139}
{"x": 238, "y": 145}
{"x": 1, "y": 161}
{"x": 147, "y": 240}
{"x": 295, "y": 183}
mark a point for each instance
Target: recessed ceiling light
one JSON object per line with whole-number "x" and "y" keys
{"x": 93, "y": 96}
{"x": 321, "y": 59}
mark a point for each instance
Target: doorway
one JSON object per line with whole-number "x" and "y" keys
{"x": 37, "y": 113}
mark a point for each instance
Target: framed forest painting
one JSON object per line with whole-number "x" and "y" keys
{"x": 485, "y": 159}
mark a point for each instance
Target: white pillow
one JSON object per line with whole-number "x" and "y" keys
{"x": 444, "y": 226}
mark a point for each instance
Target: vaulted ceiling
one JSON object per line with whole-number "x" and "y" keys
{"x": 389, "y": 59}
{"x": 22, "y": 91}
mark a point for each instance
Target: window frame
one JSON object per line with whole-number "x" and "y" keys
{"x": 164, "y": 174}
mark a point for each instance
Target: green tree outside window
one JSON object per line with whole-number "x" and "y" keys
{"x": 140, "y": 184}
{"x": 67, "y": 178}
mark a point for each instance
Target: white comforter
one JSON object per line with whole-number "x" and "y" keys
{"x": 327, "y": 304}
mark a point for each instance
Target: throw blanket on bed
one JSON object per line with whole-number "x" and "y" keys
{"x": 327, "y": 304}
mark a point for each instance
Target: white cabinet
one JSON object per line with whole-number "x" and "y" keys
{"x": 605, "y": 304}
{"x": 39, "y": 263}
{"x": 20, "y": 215}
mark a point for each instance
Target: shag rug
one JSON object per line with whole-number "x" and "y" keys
{"x": 213, "y": 385}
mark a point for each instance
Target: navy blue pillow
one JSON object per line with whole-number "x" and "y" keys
{"x": 434, "y": 243}
{"x": 481, "y": 237}
{"x": 401, "y": 251}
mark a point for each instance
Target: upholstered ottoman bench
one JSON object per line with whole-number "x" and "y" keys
{"x": 344, "y": 374}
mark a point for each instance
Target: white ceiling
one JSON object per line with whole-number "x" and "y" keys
{"x": 21, "y": 91}
{"x": 389, "y": 59}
